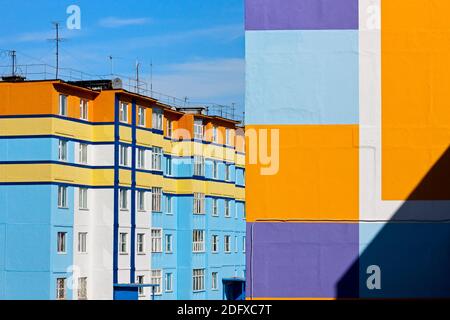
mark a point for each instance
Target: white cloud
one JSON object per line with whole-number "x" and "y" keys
{"x": 114, "y": 22}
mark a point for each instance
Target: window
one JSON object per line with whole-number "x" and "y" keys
{"x": 227, "y": 136}
{"x": 123, "y": 198}
{"x": 62, "y": 105}
{"x": 169, "y": 128}
{"x": 199, "y": 203}
{"x": 169, "y": 205}
{"x": 62, "y": 150}
{"x": 243, "y": 244}
{"x": 123, "y": 160}
{"x": 215, "y": 211}
{"x": 140, "y": 158}
{"x": 83, "y": 109}
{"x": 198, "y": 129}
{"x": 198, "y": 279}
{"x": 236, "y": 245}
{"x": 157, "y": 280}
{"x": 123, "y": 239}
{"x": 82, "y": 288}
{"x": 227, "y": 244}
{"x": 227, "y": 172}
{"x": 157, "y": 154}
{"x": 168, "y": 166}
{"x": 140, "y": 280}
{"x": 61, "y": 242}
{"x": 140, "y": 243}
{"x": 215, "y": 243}
{"x": 198, "y": 241}
{"x": 61, "y": 288}
{"x": 62, "y": 197}
{"x": 227, "y": 208}
{"x": 215, "y": 170}
{"x": 168, "y": 243}
{"x": 156, "y": 240}
{"x": 199, "y": 166}
{"x": 83, "y": 153}
{"x": 82, "y": 242}
{"x": 157, "y": 119}
{"x": 123, "y": 115}
{"x": 156, "y": 199}
{"x": 214, "y": 134}
{"x": 141, "y": 200}
{"x": 83, "y": 198}
{"x": 141, "y": 116}
{"x": 214, "y": 277}
{"x": 169, "y": 281}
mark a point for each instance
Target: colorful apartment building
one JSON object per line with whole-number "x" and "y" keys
{"x": 356, "y": 93}
{"x": 110, "y": 194}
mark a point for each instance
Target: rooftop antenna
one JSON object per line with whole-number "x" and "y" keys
{"x": 137, "y": 75}
{"x": 151, "y": 77}
{"x": 112, "y": 65}
{"x": 57, "y": 40}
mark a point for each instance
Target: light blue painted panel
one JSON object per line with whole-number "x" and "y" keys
{"x": 302, "y": 77}
{"x": 26, "y": 149}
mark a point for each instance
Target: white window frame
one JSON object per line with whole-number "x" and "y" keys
{"x": 123, "y": 112}
{"x": 169, "y": 124}
{"x": 84, "y": 109}
{"x": 63, "y": 105}
{"x": 62, "y": 197}
{"x": 168, "y": 243}
{"x": 215, "y": 207}
{"x": 140, "y": 279}
{"x": 123, "y": 199}
{"x": 62, "y": 150}
{"x": 82, "y": 242}
{"x": 157, "y": 119}
{"x": 61, "y": 242}
{"x": 198, "y": 280}
{"x": 214, "y": 280}
{"x": 198, "y": 241}
{"x": 169, "y": 282}
{"x": 169, "y": 168}
{"x": 214, "y": 134}
{"x": 227, "y": 136}
{"x": 198, "y": 129}
{"x": 199, "y": 203}
{"x": 156, "y": 199}
{"x": 243, "y": 244}
{"x": 83, "y": 149}
{"x": 157, "y": 155}
{"x": 227, "y": 172}
{"x": 61, "y": 289}
{"x": 199, "y": 166}
{"x": 236, "y": 244}
{"x": 83, "y": 194}
{"x": 123, "y": 243}
{"x": 140, "y": 158}
{"x": 141, "y": 195}
{"x": 141, "y": 116}
{"x": 227, "y": 244}
{"x": 215, "y": 243}
{"x": 156, "y": 278}
{"x": 123, "y": 155}
{"x": 156, "y": 236}
{"x": 140, "y": 243}
{"x": 227, "y": 208}
{"x": 82, "y": 288}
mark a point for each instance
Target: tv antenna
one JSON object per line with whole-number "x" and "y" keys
{"x": 57, "y": 40}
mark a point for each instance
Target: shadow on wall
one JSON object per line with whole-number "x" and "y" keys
{"x": 412, "y": 252}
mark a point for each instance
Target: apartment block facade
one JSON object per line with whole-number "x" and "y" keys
{"x": 104, "y": 192}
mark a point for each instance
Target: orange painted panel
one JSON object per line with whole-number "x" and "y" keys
{"x": 415, "y": 97}
{"x": 317, "y": 177}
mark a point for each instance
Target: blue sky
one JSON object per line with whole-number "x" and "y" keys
{"x": 196, "y": 46}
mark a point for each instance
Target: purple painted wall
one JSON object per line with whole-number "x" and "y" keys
{"x": 301, "y": 15}
{"x": 291, "y": 260}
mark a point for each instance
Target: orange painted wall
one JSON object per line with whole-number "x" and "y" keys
{"x": 415, "y": 93}
{"x": 318, "y": 171}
